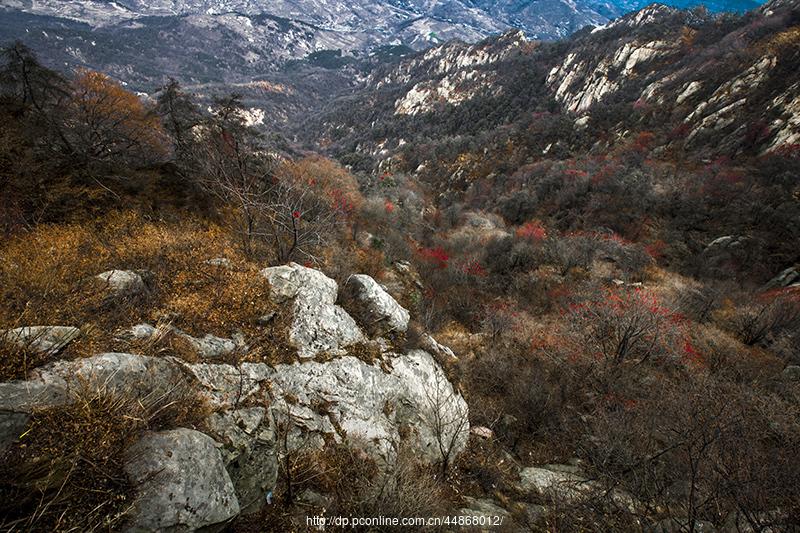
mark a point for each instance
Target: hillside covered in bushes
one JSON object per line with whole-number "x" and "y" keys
{"x": 537, "y": 286}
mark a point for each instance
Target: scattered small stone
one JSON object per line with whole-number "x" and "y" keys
{"x": 210, "y": 346}
{"x": 122, "y": 282}
{"x": 265, "y": 320}
{"x": 138, "y": 332}
{"x": 482, "y": 431}
{"x": 222, "y": 262}
{"x": 792, "y": 373}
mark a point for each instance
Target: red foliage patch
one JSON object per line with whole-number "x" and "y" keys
{"x": 533, "y": 231}
{"x": 436, "y": 256}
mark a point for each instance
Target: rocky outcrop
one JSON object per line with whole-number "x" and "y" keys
{"x": 444, "y": 353}
{"x": 319, "y": 325}
{"x": 348, "y": 400}
{"x": 787, "y": 278}
{"x": 566, "y": 483}
{"x": 487, "y": 510}
{"x": 228, "y": 387}
{"x": 249, "y": 451}
{"x": 115, "y": 372}
{"x": 181, "y": 482}
{"x": 207, "y": 347}
{"x": 57, "y": 384}
{"x": 375, "y": 308}
{"x": 187, "y": 479}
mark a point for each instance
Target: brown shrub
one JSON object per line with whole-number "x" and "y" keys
{"x": 16, "y": 361}
{"x": 702, "y": 451}
{"x": 768, "y": 317}
{"x": 486, "y": 468}
{"x": 403, "y": 488}
{"x": 215, "y": 300}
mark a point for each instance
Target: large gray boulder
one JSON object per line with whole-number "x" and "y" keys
{"x": 319, "y": 325}
{"x": 429, "y": 344}
{"x": 296, "y": 281}
{"x": 181, "y": 482}
{"x": 43, "y": 339}
{"x": 375, "y": 308}
{"x": 18, "y": 399}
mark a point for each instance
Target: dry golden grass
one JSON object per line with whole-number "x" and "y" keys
{"x": 368, "y": 352}
{"x": 271, "y": 344}
{"x": 48, "y": 278}
{"x": 16, "y": 361}
{"x": 214, "y": 300}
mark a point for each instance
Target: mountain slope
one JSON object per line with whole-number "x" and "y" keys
{"x": 707, "y": 85}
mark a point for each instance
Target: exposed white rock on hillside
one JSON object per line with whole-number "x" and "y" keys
{"x": 579, "y": 83}
{"x": 377, "y": 309}
{"x": 319, "y": 325}
{"x": 182, "y": 482}
{"x": 187, "y": 479}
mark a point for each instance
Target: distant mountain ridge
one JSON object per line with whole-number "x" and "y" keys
{"x": 204, "y": 39}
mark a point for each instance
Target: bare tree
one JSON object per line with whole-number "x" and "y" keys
{"x": 446, "y": 416}
{"x": 296, "y": 221}
{"x": 179, "y": 115}
{"x": 271, "y": 210}
{"x": 626, "y": 325}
